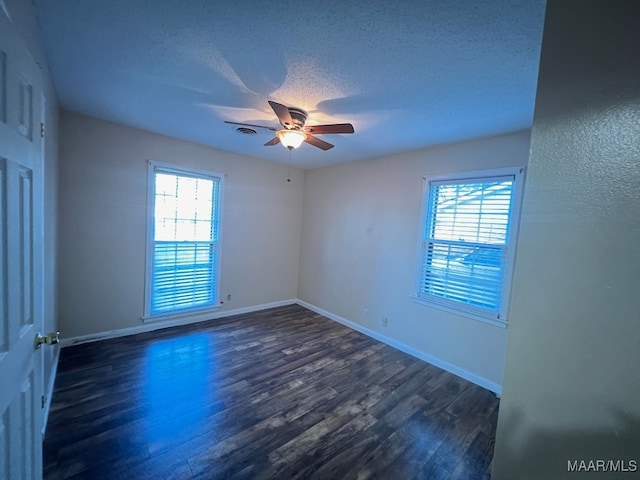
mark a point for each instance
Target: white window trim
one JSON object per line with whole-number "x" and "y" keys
{"x": 194, "y": 313}
{"x": 460, "y": 308}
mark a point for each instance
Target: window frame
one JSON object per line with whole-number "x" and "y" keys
{"x": 198, "y": 311}
{"x": 455, "y": 306}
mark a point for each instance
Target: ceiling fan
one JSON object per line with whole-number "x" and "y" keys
{"x": 294, "y": 131}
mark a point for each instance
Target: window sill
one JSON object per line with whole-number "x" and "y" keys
{"x": 198, "y": 315}
{"x": 460, "y": 311}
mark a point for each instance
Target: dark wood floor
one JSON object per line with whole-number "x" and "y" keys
{"x": 283, "y": 393}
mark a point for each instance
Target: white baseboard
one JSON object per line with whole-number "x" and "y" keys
{"x": 151, "y": 326}
{"x": 49, "y": 390}
{"x": 460, "y": 372}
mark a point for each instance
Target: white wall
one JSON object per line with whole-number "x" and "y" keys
{"x": 103, "y": 187}
{"x": 24, "y": 20}
{"x": 572, "y": 383}
{"x": 359, "y": 250}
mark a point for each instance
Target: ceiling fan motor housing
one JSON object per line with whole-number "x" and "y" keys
{"x": 298, "y": 117}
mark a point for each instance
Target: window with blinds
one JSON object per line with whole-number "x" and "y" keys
{"x": 467, "y": 242}
{"x": 184, "y": 240}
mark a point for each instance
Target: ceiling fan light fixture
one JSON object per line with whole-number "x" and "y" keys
{"x": 291, "y": 138}
{"x": 294, "y": 131}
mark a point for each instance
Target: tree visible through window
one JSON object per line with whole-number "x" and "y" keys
{"x": 467, "y": 246}
{"x": 185, "y": 240}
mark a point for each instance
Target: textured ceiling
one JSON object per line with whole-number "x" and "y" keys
{"x": 407, "y": 75}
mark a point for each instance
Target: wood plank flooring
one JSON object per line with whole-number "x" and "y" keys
{"x": 278, "y": 394}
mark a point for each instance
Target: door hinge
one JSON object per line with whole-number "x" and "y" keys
{"x": 43, "y": 401}
{"x": 41, "y": 130}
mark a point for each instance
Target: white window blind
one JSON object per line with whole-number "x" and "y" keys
{"x": 185, "y": 242}
{"x": 466, "y": 243}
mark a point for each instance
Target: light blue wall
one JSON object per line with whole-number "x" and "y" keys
{"x": 572, "y": 385}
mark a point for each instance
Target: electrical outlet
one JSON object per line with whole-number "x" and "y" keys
{"x": 228, "y": 297}
{"x": 384, "y": 321}
{"x": 365, "y": 313}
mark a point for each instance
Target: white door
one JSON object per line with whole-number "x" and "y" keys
{"x": 21, "y": 259}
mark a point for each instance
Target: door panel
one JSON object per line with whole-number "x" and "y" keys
{"x": 25, "y": 108}
{"x": 4, "y": 323}
{"x": 21, "y": 259}
{"x": 3, "y": 86}
{"x": 21, "y": 459}
{"x": 25, "y": 246}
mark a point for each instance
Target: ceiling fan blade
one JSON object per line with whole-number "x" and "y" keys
{"x": 335, "y": 128}
{"x": 252, "y": 125}
{"x": 283, "y": 114}
{"x": 316, "y": 142}
{"x": 273, "y": 141}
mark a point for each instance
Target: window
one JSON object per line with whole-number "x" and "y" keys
{"x": 467, "y": 242}
{"x": 184, "y": 240}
